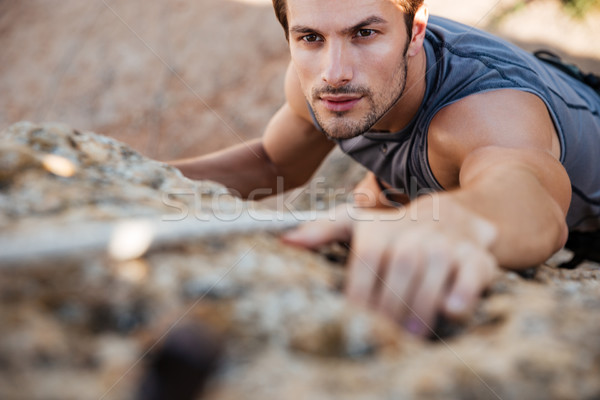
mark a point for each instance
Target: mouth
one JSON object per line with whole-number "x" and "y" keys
{"x": 340, "y": 103}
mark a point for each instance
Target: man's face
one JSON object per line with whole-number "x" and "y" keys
{"x": 350, "y": 58}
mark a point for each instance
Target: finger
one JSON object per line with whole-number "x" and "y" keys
{"x": 430, "y": 291}
{"x": 476, "y": 272}
{"x": 364, "y": 272}
{"x": 317, "y": 233}
{"x": 399, "y": 275}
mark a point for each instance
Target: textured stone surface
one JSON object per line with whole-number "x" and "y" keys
{"x": 276, "y": 312}
{"x": 89, "y": 317}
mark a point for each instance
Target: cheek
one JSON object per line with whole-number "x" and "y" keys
{"x": 382, "y": 66}
{"x": 306, "y": 67}
{"x": 383, "y": 58}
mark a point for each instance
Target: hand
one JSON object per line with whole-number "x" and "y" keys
{"x": 409, "y": 264}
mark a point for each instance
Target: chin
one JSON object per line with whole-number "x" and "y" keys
{"x": 345, "y": 128}
{"x": 343, "y": 133}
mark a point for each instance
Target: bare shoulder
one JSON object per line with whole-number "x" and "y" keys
{"x": 502, "y": 118}
{"x": 293, "y": 122}
{"x": 291, "y": 140}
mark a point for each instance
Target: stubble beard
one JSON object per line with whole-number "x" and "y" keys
{"x": 340, "y": 126}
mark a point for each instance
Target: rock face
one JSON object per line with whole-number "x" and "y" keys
{"x": 240, "y": 315}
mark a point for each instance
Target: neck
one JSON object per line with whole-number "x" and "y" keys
{"x": 400, "y": 115}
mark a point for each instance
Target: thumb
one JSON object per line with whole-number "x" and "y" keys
{"x": 317, "y": 233}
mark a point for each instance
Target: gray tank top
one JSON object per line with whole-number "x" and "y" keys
{"x": 462, "y": 61}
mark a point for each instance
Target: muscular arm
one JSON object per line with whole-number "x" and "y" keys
{"x": 497, "y": 154}
{"x": 525, "y": 194}
{"x": 242, "y": 168}
{"x": 290, "y": 148}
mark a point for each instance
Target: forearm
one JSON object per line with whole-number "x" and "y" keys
{"x": 526, "y": 208}
{"x": 530, "y": 224}
{"x": 245, "y": 169}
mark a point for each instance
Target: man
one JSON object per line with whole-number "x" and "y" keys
{"x": 502, "y": 136}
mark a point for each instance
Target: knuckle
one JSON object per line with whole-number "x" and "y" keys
{"x": 465, "y": 249}
{"x": 404, "y": 262}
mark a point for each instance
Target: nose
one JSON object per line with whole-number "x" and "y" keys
{"x": 337, "y": 70}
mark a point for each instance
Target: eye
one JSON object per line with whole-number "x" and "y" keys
{"x": 311, "y": 38}
{"x": 365, "y": 32}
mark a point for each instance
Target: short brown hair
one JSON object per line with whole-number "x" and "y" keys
{"x": 409, "y": 7}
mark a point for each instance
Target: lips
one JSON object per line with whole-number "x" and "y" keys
{"x": 340, "y": 103}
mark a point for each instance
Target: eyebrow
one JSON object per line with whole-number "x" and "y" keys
{"x": 372, "y": 20}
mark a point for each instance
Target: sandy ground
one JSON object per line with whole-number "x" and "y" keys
{"x": 176, "y": 78}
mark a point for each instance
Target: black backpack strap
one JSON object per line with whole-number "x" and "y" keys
{"x": 550, "y": 58}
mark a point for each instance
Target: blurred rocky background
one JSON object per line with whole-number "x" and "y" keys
{"x": 175, "y": 78}
{"x": 229, "y": 313}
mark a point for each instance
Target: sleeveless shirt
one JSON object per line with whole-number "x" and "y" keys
{"x": 462, "y": 61}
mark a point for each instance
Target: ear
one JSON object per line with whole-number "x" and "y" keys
{"x": 418, "y": 31}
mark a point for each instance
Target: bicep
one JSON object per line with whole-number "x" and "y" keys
{"x": 290, "y": 140}
{"x": 506, "y": 118}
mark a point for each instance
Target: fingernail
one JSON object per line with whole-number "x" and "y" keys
{"x": 456, "y": 305}
{"x": 290, "y": 235}
{"x": 293, "y": 235}
{"x": 414, "y": 326}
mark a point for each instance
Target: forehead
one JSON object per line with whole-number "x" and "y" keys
{"x": 320, "y": 14}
